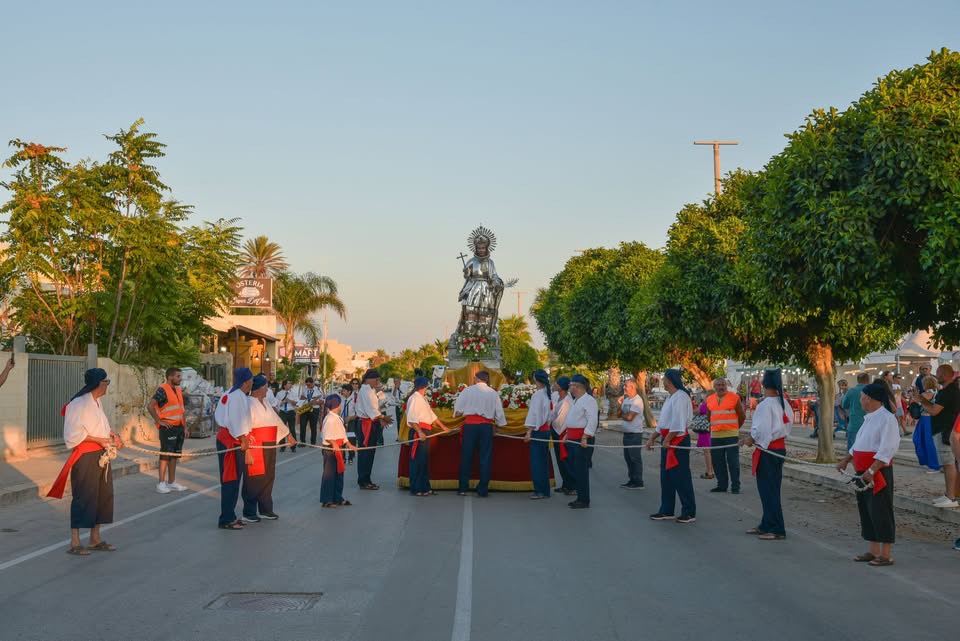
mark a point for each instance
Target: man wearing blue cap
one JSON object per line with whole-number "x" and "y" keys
{"x": 371, "y": 427}
{"x": 421, "y": 419}
{"x": 538, "y": 431}
{"x": 582, "y": 422}
{"x": 233, "y": 415}
{"x": 266, "y": 430}
{"x": 481, "y": 408}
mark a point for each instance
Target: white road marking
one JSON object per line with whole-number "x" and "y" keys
{"x": 464, "y": 607}
{"x": 60, "y": 545}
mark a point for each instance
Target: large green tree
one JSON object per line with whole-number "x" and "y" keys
{"x": 262, "y": 258}
{"x": 297, "y": 299}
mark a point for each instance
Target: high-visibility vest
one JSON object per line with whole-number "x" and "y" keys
{"x": 172, "y": 410}
{"x": 723, "y": 415}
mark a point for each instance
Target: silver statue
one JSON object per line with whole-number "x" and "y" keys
{"x": 482, "y": 288}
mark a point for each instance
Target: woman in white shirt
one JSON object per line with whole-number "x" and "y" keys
{"x": 675, "y": 479}
{"x": 872, "y": 455}
{"x": 768, "y": 431}
{"x": 538, "y": 431}
{"x": 333, "y": 437}
{"x": 421, "y": 419}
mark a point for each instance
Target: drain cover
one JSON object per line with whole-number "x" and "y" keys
{"x": 266, "y": 601}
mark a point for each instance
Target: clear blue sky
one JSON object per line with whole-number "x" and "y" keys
{"x": 368, "y": 138}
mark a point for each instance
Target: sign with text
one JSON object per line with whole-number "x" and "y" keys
{"x": 306, "y": 354}
{"x": 256, "y": 293}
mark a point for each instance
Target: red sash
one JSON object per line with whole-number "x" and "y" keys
{"x": 416, "y": 440}
{"x": 544, "y": 428}
{"x": 574, "y": 433}
{"x": 365, "y": 425}
{"x": 259, "y": 436}
{"x": 862, "y": 461}
{"x": 563, "y": 446}
{"x": 61, "y": 483}
{"x": 476, "y": 419}
{"x": 672, "y": 461}
{"x": 230, "y": 458}
{"x": 779, "y": 444}
{"x": 338, "y": 453}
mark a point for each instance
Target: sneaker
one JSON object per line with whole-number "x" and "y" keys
{"x": 176, "y": 487}
{"x": 717, "y": 490}
{"x": 163, "y": 488}
{"x": 632, "y": 486}
{"x": 686, "y": 519}
{"x": 270, "y": 516}
{"x": 251, "y": 519}
{"x": 956, "y": 545}
{"x": 660, "y": 516}
{"x": 943, "y": 501}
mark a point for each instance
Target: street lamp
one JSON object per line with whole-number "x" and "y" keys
{"x": 716, "y": 159}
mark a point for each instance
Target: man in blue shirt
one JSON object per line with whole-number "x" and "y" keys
{"x": 851, "y": 403}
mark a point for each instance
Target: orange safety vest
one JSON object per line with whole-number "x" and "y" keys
{"x": 723, "y": 415}
{"x": 172, "y": 410}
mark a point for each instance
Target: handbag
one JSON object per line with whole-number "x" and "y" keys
{"x": 700, "y": 424}
{"x": 915, "y": 410}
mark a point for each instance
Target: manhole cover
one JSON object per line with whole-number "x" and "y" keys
{"x": 266, "y": 601}
{"x": 8, "y": 530}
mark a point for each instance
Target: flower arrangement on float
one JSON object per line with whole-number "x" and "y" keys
{"x": 516, "y": 397}
{"x": 477, "y": 343}
{"x": 444, "y": 397}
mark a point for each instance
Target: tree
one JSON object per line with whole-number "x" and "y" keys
{"x": 297, "y": 298}
{"x": 262, "y": 258}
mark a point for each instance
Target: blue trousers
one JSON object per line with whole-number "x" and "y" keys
{"x": 230, "y": 491}
{"x": 540, "y": 462}
{"x": 581, "y": 457}
{"x": 476, "y": 438}
{"x": 568, "y": 480}
{"x": 769, "y": 477}
{"x": 420, "y": 468}
{"x": 257, "y": 491}
{"x": 677, "y": 482}
{"x": 365, "y": 457}
{"x": 331, "y": 483}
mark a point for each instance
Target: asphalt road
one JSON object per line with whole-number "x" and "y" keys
{"x": 398, "y": 568}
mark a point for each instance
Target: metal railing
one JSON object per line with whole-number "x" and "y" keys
{"x": 51, "y": 381}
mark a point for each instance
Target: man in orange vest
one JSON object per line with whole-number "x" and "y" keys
{"x": 725, "y": 410}
{"x": 166, "y": 408}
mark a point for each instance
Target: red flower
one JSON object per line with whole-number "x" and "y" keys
{"x": 433, "y": 404}
{"x": 523, "y": 406}
{"x": 505, "y": 403}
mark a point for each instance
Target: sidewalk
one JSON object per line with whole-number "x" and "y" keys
{"x": 915, "y": 488}
{"x": 32, "y": 477}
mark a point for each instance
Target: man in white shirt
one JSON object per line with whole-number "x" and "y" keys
{"x": 371, "y": 427}
{"x": 481, "y": 408}
{"x": 633, "y": 423}
{"x": 562, "y": 401}
{"x": 582, "y": 422}
{"x": 348, "y": 414}
{"x": 311, "y": 395}
{"x": 233, "y": 415}
{"x": 394, "y": 402}
{"x": 267, "y": 429}
{"x": 285, "y": 405}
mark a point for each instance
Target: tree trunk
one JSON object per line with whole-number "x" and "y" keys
{"x": 648, "y": 417}
{"x": 700, "y": 375}
{"x": 824, "y": 370}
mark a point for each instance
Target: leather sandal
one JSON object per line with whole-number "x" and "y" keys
{"x": 78, "y": 550}
{"x": 102, "y": 546}
{"x": 880, "y": 562}
{"x": 866, "y": 557}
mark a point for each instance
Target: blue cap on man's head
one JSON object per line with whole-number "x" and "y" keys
{"x": 421, "y": 382}
{"x": 581, "y": 379}
{"x": 564, "y": 383}
{"x": 483, "y": 376}
{"x": 259, "y": 381}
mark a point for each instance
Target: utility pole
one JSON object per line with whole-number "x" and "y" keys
{"x": 716, "y": 159}
{"x": 324, "y": 348}
{"x": 518, "y": 302}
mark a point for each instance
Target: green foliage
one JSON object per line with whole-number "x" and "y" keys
{"x": 516, "y": 347}
{"x": 297, "y": 298}
{"x": 262, "y": 258}
{"x": 287, "y": 371}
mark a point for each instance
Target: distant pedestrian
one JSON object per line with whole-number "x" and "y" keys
{"x": 768, "y": 432}
{"x": 333, "y": 437}
{"x": 726, "y": 417}
{"x": 851, "y": 403}
{"x": 633, "y": 423}
{"x": 944, "y": 411}
{"x": 924, "y": 442}
{"x": 537, "y": 423}
{"x": 872, "y": 456}
{"x": 675, "y": 479}
{"x": 167, "y": 409}
{"x": 896, "y": 384}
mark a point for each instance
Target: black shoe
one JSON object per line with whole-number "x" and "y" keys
{"x": 736, "y": 491}
{"x": 293, "y": 449}
{"x": 686, "y": 518}
{"x": 579, "y": 505}
{"x": 572, "y": 502}
{"x": 660, "y": 516}
{"x": 813, "y": 436}
{"x": 270, "y": 516}
{"x": 719, "y": 489}
{"x": 633, "y": 486}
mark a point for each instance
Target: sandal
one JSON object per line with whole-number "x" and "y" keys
{"x": 431, "y": 493}
{"x": 880, "y": 562}
{"x": 755, "y": 531}
{"x": 866, "y": 557}
{"x": 708, "y": 476}
{"x": 772, "y": 537}
{"x": 344, "y": 503}
{"x": 331, "y": 505}
{"x": 236, "y": 525}
{"x": 537, "y": 497}
{"x": 78, "y": 550}
{"x": 102, "y": 546}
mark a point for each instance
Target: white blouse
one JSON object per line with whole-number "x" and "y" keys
{"x": 879, "y": 433}
{"x": 263, "y": 415}
{"x": 767, "y": 424}
{"x": 538, "y": 410}
{"x": 419, "y": 411}
{"x": 481, "y": 400}
{"x": 584, "y": 414}
{"x": 561, "y": 409}
{"x": 676, "y": 414}
{"x": 84, "y": 417}
{"x": 233, "y": 413}
{"x": 333, "y": 429}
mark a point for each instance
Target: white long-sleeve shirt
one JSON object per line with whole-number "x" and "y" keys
{"x": 767, "y": 425}
{"x": 419, "y": 411}
{"x": 84, "y": 417}
{"x": 561, "y": 409}
{"x": 233, "y": 413}
{"x": 263, "y": 415}
{"x": 676, "y": 414}
{"x": 368, "y": 404}
{"x": 332, "y": 429}
{"x": 879, "y": 433}
{"x": 585, "y": 414}
{"x": 538, "y": 410}
{"x": 481, "y": 400}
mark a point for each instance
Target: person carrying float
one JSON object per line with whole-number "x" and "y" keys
{"x": 538, "y": 435}
{"x": 233, "y": 416}
{"x": 421, "y": 419}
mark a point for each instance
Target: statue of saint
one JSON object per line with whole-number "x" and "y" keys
{"x": 482, "y": 288}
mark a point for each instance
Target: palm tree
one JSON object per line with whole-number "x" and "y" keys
{"x": 262, "y": 258}
{"x": 515, "y": 326}
{"x": 297, "y": 298}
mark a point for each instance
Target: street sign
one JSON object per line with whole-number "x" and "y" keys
{"x": 255, "y": 293}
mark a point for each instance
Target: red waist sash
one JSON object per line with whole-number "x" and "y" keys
{"x": 544, "y": 428}
{"x": 61, "y": 483}
{"x": 417, "y": 438}
{"x": 366, "y": 424}
{"x": 259, "y": 436}
{"x": 563, "y": 446}
{"x": 476, "y": 419}
{"x": 862, "y": 461}
{"x": 779, "y": 444}
{"x": 225, "y": 439}
{"x": 672, "y": 461}
{"x": 338, "y": 453}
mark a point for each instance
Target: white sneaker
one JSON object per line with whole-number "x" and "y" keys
{"x": 944, "y": 501}
{"x": 176, "y": 487}
{"x": 163, "y": 488}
